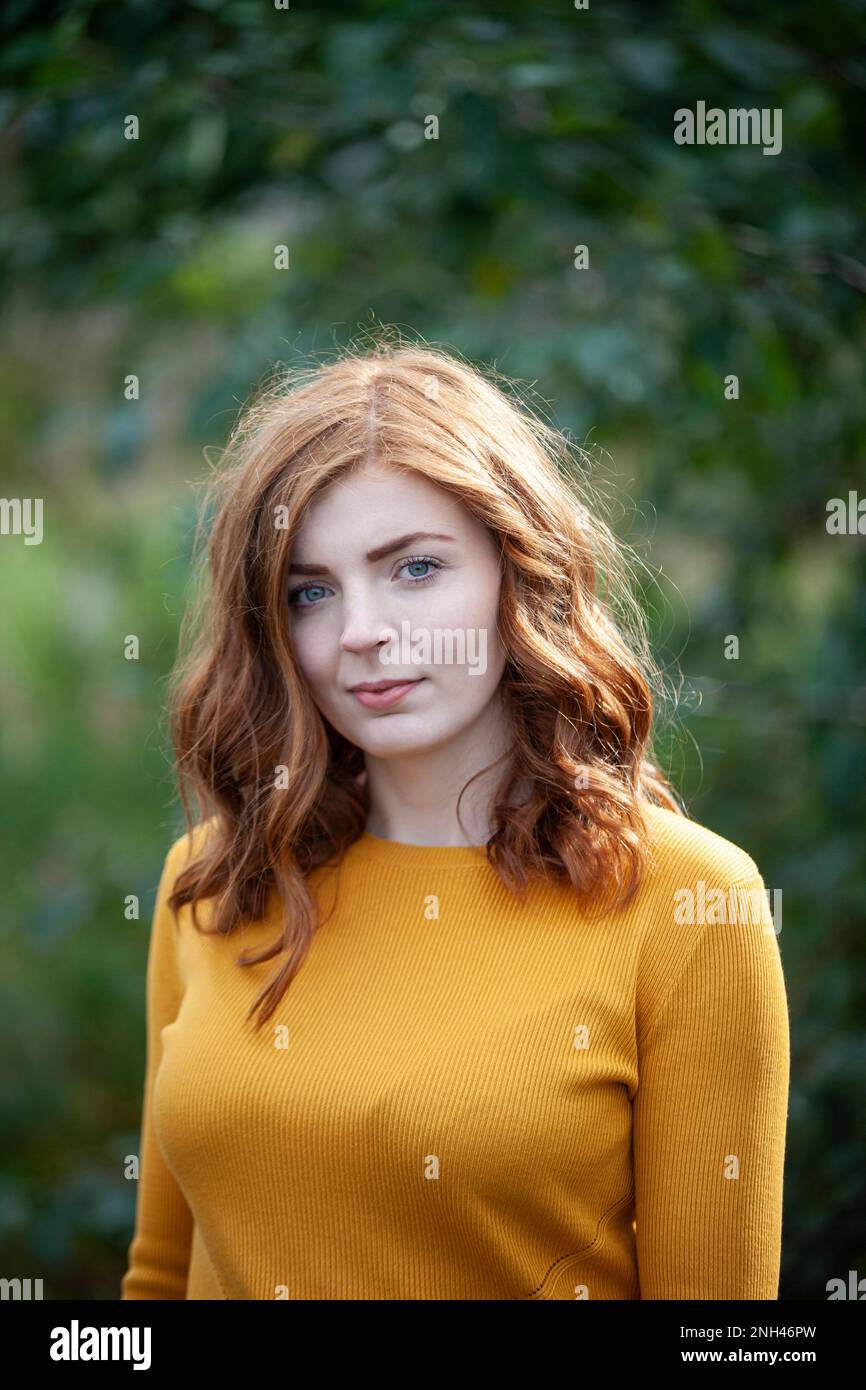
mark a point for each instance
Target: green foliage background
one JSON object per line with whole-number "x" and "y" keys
{"x": 154, "y": 256}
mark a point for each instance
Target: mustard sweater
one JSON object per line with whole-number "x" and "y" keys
{"x": 466, "y": 1096}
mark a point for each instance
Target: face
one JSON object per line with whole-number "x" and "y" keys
{"x": 367, "y": 605}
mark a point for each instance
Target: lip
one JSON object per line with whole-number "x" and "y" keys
{"x": 383, "y": 694}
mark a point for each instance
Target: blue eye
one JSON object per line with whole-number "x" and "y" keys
{"x": 420, "y": 577}
{"x": 413, "y": 581}
{"x": 302, "y": 589}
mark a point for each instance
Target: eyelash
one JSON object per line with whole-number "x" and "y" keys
{"x": 413, "y": 583}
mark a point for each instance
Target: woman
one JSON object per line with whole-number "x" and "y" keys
{"x": 526, "y": 1036}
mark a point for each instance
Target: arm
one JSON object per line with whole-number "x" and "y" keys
{"x": 710, "y": 1112}
{"x": 158, "y": 1257}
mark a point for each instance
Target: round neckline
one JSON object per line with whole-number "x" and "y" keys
{"x": 428, "y": 856}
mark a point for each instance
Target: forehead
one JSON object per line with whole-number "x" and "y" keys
{"x": 372, "y": 500}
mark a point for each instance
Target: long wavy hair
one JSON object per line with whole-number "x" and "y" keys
{"x": 578, "y": 682}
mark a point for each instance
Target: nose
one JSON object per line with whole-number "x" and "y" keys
{"x": 365, "y": 623}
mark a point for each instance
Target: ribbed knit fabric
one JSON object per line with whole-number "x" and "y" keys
{"x": 468, "y": 1095}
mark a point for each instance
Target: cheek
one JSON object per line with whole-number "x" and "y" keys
{"x": 485, "y": 653}
{"x": 311, "y": 651}
{"x": 483, "y": 622}
{"x": 469, "y": 606}
{"x": 473, "y": 682}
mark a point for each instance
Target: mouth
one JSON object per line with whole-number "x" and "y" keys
{"x": 383, "y": 694}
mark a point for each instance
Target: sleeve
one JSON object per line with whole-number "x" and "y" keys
{"x": 710, "y": 1113}
{"x": 158, "y": 1256}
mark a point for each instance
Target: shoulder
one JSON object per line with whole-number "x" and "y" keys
{"x": 702, "y": 908}
{"x": 188, "y": 847}
{"x": 682, "y": 849}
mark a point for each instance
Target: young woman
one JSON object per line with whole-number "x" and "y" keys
{"x": 507, "y": 1023}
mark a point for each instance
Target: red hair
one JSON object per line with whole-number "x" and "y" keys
{"x": 576, "y": 687}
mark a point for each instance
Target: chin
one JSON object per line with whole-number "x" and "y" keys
{"x": 385, "y": 742}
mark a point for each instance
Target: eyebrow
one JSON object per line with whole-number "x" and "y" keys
{"x": 379, "y": 553}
